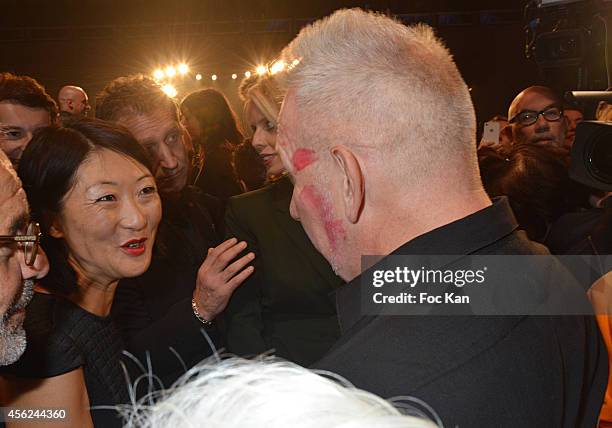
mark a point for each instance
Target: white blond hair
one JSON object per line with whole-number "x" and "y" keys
{"x": 267, "y": 393}
{"x": 264, "y": 92}
{"x": 365, "y": 80}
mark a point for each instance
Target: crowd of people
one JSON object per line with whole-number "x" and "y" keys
{"x": 142, "y": 239}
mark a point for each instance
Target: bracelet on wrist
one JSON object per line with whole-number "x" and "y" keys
{"x": 200, "y": 318}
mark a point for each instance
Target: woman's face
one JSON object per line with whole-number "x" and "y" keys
{"x": 191, "y": 123}
{"x": 264, "y": 139}
{"x": 109, "y": 218}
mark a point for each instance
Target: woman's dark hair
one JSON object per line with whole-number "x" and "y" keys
{"x": 535, "y": 178}
{"x": 48, "y": 168}
{"x": 216, "y": 118}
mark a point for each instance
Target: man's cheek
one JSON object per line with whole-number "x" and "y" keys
{"x": 319, "y": 207}
{"x": 303, "y": 158}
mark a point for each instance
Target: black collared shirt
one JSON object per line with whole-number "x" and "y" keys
{"x": 473, "y": 234}
{"x": 476, "y": 371}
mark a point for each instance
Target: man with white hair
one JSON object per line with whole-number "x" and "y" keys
{"x": 20, "y": 263}
{"x": 377, "y": 130}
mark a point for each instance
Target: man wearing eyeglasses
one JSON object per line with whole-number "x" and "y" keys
{"x": 536, "y": 116}
{"x": 21, "y": 262}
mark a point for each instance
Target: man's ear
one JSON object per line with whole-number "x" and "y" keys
{"x": 353, "y": 187}
{"x": 506, "y": 133}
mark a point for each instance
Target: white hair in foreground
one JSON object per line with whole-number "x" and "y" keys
{"x": 266, "y": 393}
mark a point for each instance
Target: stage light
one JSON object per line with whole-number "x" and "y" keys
{"x": 295, "y": 62}
{"x": 234, "y": 76}
{"x": 247, "y": 74}
{"x": 170, "y": 71}
{"x": 198, "y": 76}
{"x": 170, "y": 90}
{"x": 261, "y": 70}
{"x": 213, "y": 77}
{"x": 158, "y": 74}
{"x": 183, "y": 68}
{"x": 277, "y": 67}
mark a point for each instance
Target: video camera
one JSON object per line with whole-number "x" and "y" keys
{"x": 568, "y": 41}
{"x": 592, "y": 149}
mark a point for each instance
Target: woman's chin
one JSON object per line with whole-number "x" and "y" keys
{"x": 136, "y": 268}
{"x": 275, "y": 171}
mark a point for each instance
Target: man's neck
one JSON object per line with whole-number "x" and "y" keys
{"x": 406, "y": 224}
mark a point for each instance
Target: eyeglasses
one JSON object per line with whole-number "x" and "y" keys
{"x": 529, "y": 117}
{"x": 29, "y": 242}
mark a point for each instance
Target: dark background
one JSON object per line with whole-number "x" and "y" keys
{"x": 90, "y": 42}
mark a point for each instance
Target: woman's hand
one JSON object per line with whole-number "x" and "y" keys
{"x": 217, "y": 278}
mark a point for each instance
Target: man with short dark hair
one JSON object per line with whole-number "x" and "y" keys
{"x": 536, "y": 117}
{"x": 25, "y": 106}
{"x": 138, "y": 103}
{"x": 20, "y": 264}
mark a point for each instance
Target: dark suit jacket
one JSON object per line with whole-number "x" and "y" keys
{"x": 476, "y": 371}
{"x": 287, "y": 304}
{"x": 153, "y": 311}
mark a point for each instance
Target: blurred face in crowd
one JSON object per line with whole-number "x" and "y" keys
{"x": 109, "y": 218}
{"x": 264, "y": 139}
{"x": 574, "y": 117}
{"x": 191, "y": 123}
{"x": 74, "y": 101}
{"x": 161, "y": 134}
{"x": 548, "y": 128}
{"x": 604, "y": 112}
{"x": 16, "y": 277}
{"x": 17, "y": 124}
{"x": 311, "y": 203}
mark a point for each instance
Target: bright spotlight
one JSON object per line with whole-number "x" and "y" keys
{"x": 183, "y": 68}
{"x": 158, "y": 74}
{"x": 234, "y": 76}
{"x": 170, "y": 71}
{"x": 261, "y": 70}
{"x": 213, "y": 77}
{"x": 247, "y": 74}
{"x": 170, "y": 90}
{"x": 277, "y": 67}
{"x": 198, "y": 76}
{"x": 295, "y": 62}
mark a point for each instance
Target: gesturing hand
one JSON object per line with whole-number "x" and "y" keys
{"x": 217, "y": 278}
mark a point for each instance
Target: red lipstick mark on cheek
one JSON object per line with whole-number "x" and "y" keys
{"x": 323, "y": 210}
{"x": 302, "y": 158}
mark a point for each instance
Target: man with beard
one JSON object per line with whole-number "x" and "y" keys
{"x": 536, "y": 116}
{"x": 21, "y": 263}
{"x": 73, "y": 102}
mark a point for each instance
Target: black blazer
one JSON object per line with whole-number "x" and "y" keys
{"x": 287, "y": 304}
{"x": 478, "y": 371}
